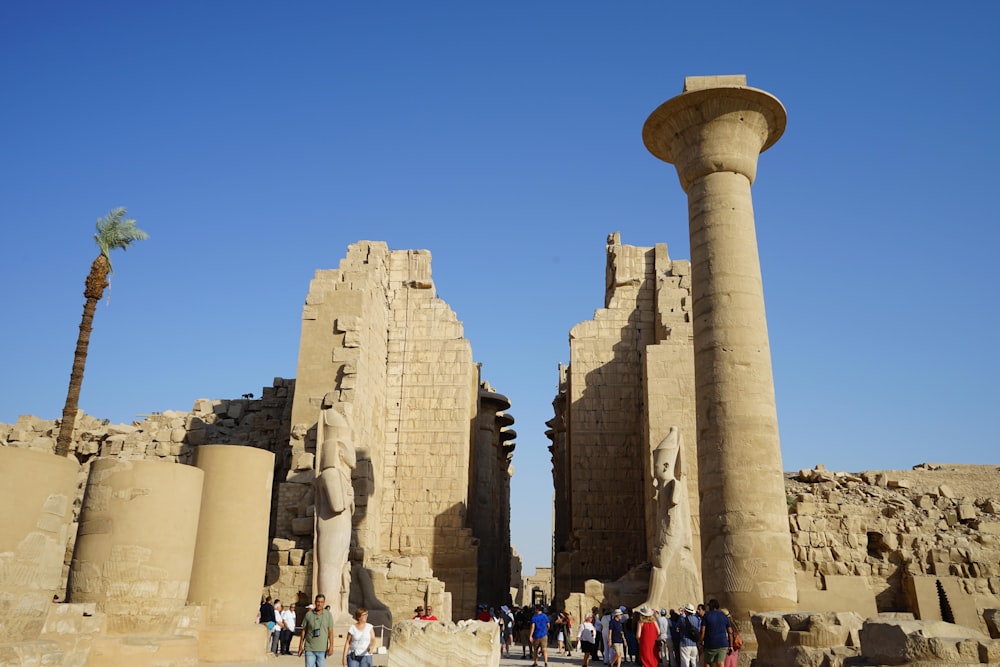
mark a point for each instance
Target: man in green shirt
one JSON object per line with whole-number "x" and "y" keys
{"x": 316, "y": 640}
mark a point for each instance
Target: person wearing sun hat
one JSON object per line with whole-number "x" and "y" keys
{"x": 647, "y": 634}
{"x": 690, "y": 630}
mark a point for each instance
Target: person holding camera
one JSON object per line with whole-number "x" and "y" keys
{"x": 316, "y": 639}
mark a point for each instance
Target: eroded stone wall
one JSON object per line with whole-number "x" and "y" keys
{"x": 891, "y": 536}
{"x": 380, "y": 345}
{"x": 630, "y": 378}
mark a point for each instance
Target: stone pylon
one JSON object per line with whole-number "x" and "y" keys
{"x": 713, "y": 133}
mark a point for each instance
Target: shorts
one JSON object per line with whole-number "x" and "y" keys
{"x": 619, "y": 648}
{"x": 714, "y": 655}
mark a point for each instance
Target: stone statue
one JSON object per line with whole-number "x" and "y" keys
{"x": 335, "y": 459}
{"x": 674, "y": 578}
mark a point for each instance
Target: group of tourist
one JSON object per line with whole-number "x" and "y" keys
{"x": 281, "y": 624}
{"x": 692, "y": 636}
{"x": 316, "y": 640}
{"x": 689, "y": 637}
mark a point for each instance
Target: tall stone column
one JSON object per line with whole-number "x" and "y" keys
{"x": 713, "y": 133}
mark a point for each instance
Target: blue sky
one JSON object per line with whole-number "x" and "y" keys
{"x": 254, "y": 141}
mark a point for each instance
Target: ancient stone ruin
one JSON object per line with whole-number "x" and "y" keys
{"x": 380, "y": 475}
{"x": 383, "y": 479}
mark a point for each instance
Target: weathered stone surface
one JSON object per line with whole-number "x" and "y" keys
{"x": 467, "y": 644}
{"x": 992, "y": 619}
{"x": 136, "y": 571}
{"x": 379, "y": 345}
{"x": 874, "y": 528}
{"x": 623, "y": 404}
{"x": 806, "y": 639}
{"x": 898, "y": 642}
{"x": 33, "y": 537}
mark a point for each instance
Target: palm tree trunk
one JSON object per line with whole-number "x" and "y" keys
{"x": 97, "y": 281}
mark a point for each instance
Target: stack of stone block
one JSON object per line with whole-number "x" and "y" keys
{"x": 898, "y": 540}
{"x": 289, "y": 569}
{"x": 168, "y": 435}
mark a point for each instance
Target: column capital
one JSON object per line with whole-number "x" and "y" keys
{"x": 716, "y": 124}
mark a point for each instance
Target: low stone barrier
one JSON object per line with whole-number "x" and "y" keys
{"x": 466, "y": 644}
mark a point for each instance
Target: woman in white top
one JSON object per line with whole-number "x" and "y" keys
{"x": 360, "y": 641}
{"x": 587, "y": 635}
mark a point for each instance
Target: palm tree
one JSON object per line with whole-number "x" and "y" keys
{"x": 113, "y": 232}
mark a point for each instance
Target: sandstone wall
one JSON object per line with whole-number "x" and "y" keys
{"x": 379, "y": 343}
{"x": 605, "y": 443}
{"x": 668, "y": 382}
{"x": 489, "y": 511}
{"x": 888, "y": 532}
{"x": 629, "y": 379}
{"x": 433, "y": 400}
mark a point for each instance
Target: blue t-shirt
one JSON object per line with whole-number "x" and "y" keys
{"x": 617, "y": 631}
{"x": 541, "y": 622}
{"x": 715, "y": 623}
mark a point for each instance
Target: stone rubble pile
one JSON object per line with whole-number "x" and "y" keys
{"x": 940, "y": 521}
{"x": 171, "y": 434}
{"x": 810, "y": 639}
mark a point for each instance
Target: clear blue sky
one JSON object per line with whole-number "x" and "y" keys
{"x": 254, "y": 141}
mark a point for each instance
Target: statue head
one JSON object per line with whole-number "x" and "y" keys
{"x": 667, "y": 458}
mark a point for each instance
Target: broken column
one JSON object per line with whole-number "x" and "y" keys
{"x": 713, "y": 133}
{"x": 231, "y": 550}
{"x": 33, "y": 533}
{"x": 135, "y": 544}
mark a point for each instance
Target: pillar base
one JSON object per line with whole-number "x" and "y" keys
{"x": 151, "y": 651}
{"x": 233, "y": 643}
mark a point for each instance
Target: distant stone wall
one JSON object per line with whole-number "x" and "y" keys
{"x": 169, "y": 435}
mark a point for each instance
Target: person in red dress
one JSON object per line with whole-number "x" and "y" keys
{"x": 647, "y": 632}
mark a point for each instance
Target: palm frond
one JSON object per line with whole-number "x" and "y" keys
{"x": 115, "y": 231}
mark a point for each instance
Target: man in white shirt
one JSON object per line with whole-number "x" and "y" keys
{"x": 287, "y": 629}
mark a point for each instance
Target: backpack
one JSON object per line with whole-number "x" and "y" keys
{"x": 737, "y": 640}
{"x": 691, "y": 632}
